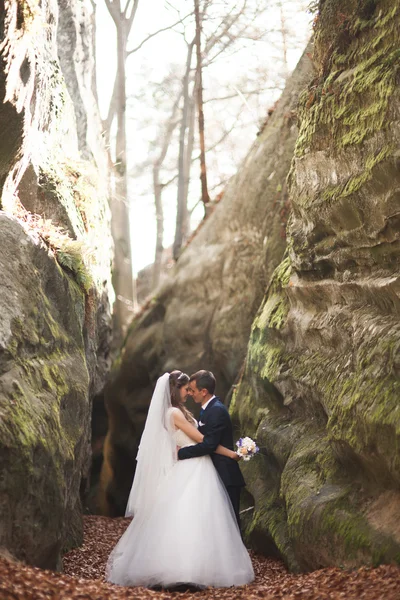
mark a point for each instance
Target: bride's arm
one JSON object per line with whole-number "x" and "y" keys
{"x": 181, "y": 423}
{"x": 226, "y": 452}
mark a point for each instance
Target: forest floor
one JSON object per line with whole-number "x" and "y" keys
{"x": 83, "y": 577}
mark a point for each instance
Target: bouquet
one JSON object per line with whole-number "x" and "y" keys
{"x": 246, "y": 448}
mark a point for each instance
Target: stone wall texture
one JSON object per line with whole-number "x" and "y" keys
{"x": 55, "y": 258}
{"x": 321, "y": 387}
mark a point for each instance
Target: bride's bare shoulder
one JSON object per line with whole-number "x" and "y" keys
{"x": 178, "y": 418}
{"x": 175, "y": 414}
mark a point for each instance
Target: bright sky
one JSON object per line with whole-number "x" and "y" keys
{"x": 150, "y": 65}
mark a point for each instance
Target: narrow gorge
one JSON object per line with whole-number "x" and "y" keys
{"x": 288, "y": 291}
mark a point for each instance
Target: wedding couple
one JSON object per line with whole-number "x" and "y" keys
{"x": 185, "y": 528}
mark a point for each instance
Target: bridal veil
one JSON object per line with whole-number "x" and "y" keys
{"x": 157, "y": 451}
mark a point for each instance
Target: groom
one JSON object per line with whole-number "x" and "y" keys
{"x": 215, "y": 424}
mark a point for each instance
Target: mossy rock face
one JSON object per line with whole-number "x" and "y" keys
{"x": 55, "y": 258}
{"x": 321, "y": 387}
{"x": 201, "y": 316}
{"x": 44, "y": 399}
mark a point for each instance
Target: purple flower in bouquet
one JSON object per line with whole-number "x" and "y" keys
{"x": 246, "y": 448}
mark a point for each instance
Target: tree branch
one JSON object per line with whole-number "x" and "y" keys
{"x": 131, "y": 17}
{"x": 113, "y": 10}
{"x": 227, "y": 24}
{"x": 172, "y": 123}
{"x": 112, "y": 108}
{"x": 151, "y": 35}
{"x": 249, "y": 93}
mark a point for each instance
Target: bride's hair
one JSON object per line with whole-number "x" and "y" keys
{"x": 177, "y": 380}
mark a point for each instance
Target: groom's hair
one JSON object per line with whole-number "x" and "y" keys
{"x": 204, "y": 380}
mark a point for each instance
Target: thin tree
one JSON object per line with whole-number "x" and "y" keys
{"x": 123, "y": 282}
{"x": 284, "y": 34}
{"x": 223, "y": 30}
{"x": 200, "y": 107}
{"x": 158, "y": 187}
{"x": 181, "y": 212}
{"x": 189, "y": 148}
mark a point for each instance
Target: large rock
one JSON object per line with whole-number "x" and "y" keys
{"x": 55, "y": 255}
{"x": 321, "y": 387}
{"x": 44, "y": 402}
{"x": 201, "y": 315}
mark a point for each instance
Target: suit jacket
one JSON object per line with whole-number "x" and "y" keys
{"x": 217, "y": 429}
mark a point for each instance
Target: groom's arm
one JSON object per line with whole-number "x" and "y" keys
{"x": 212, "y": 437}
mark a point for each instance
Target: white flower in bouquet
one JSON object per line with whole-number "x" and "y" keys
{"x": 246, "y": 448}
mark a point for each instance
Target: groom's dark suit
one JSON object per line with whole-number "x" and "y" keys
{"x": 217, "y": 429}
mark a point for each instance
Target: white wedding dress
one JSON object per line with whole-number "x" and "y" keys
{"x": 189, "y": 535}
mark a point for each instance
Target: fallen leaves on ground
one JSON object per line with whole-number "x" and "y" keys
{"x": 84, "y": 568}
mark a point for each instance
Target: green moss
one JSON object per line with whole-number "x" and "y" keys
{"x": 245, "y": 412}
{"x": 59, "y": 92}
{"x": 35, "y": 408}
{"x": 272, "y": 362}
{"x": 350, "y": 532}
{"x": 355, "y": 183}
{"x": 75, "y": 186}
{"x": 278, "y": 313}
{"x": 21, "y": 427}
{"x": 265, "y": 355}
{"x": 366, "y": 408}
{"x": 362, "y": 400}
{"x": 362, "y": 406}
{"x": 324, "y": 509}
{"x": 27, "y": 425}
{"x": 270, "y": 520}
{"x": 28, "y": 330}
{"x": 352, "y": 529}
{"x": 27, "y": 348}
{"x": 73, "y": 255}
{"x": 54, "y": 379}
{"x": 40, "y": 351}
{"x": 276, "y": 307}
{"x": 70, "y": 256}
{"x": 27, "y": 12}
{"x": 283, "y": 272}
{"x": 346, "y": 402}
{"x": 350, "y": 101}
{"x": 303, "y": 477}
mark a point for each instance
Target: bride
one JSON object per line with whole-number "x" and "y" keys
{"x": 184, "y": 529}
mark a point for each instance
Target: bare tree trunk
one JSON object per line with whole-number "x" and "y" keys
{"x": 189, "y": 153}
{"x": 284, "y": 39}
{"x": 199, "y": 78}
{"x": 160, "y": 225}
{"x": 107, "y": 123}
{"x": 123, "y": 281}
{"x": 122, "y": 271}
{"x": 158, "y": 192}
{"x": 182, "y": 212}
{"x": 94, "y": 46}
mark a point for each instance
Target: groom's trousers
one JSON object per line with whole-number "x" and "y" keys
{"x": 234, "y": 495}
